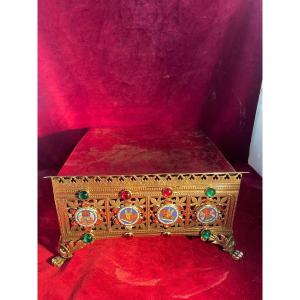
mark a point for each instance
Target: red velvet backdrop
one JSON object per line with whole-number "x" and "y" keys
{"x": 192, "y": 63}
{"x": 189, "y": 63}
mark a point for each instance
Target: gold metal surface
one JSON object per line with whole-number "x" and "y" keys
{"x": 188, "y": 196}
{"x": 226, "y": 241}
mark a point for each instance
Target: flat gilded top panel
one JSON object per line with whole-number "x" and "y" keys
{"x": 144, "y": 151}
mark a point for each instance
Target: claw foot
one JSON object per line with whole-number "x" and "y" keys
{"x": 236, "y": 254}
{"x": 226, "y": 242}
{"x": 58, "y": 261}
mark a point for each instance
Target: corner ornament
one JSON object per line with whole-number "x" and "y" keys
{"x": 226, "y": 242}
{"x": 66, "y": 249}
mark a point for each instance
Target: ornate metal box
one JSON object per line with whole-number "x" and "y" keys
{"x": 151, "y": 182}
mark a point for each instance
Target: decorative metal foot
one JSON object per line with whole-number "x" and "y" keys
{"x": 66, "y": 249}
{"x": 128, "y": 234}
{"x": 237, "y": 254}
{"x": 225, "y": 241}
{"x": 58, "y": 261}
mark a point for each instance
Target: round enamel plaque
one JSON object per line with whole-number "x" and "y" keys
{"x": 128, "y": 215}
{"x": 207, "y": 214}
{"x": 86, "y": 216}
{"x": 168, "y": 214}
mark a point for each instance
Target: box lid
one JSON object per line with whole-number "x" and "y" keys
{"x": 144, "y": 151}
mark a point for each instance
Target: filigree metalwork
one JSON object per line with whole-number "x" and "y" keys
{"x": 188, "y": 195}
{"x": 150, "y": 178}
{"x": 221, "y": 203}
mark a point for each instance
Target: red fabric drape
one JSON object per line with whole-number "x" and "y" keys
{"x": 176, "y": 64}
{"x": 192, "y": 64}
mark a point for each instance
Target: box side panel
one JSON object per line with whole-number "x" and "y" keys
{"x": 104, "y": 207}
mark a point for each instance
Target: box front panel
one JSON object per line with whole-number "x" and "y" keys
{"x": 155, "y": 204}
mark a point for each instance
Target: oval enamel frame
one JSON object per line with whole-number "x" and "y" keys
{"x": 165, "y": 207}
{"x": 92, "y": 214}
{"x": 123, "y": 211}
{"x": 210, "y": 220}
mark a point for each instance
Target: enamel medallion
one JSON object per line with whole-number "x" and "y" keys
{"x": 168, "y": 214}
{"x": 207, "y": 214}
{"x": 86, "y": 216}
{"x": 128, "y": 215}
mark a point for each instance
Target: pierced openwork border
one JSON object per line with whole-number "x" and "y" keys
{"x": 182, "y": 179}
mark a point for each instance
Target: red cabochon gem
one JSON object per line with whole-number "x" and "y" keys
{"x": 125, "y": 195}
{"x": 167, "y": 192}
